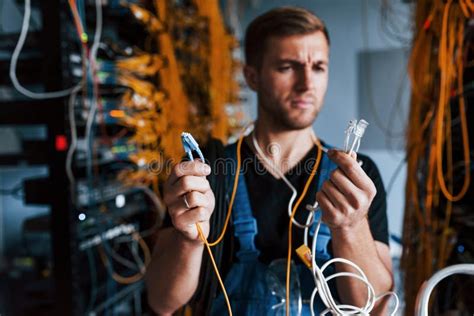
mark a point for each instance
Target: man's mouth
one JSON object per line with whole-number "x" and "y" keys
{"x": 302, "y": 103}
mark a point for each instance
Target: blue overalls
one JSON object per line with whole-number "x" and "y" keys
{"x": 246, "y": 282}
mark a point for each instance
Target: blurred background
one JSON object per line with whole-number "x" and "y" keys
{"x": 95, "y": 93}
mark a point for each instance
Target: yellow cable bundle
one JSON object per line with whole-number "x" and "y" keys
{"x": 134, "y": 100}
{"x": 177, "y": 108}
{"x": 153, "y": 24}
{"x": 140, "y": 87}
{"x": 436, "y": 73}
{"x": 209, "y": 69}
{"x": 221, "y": 70}
{"x": 171, "y": 100}
{"x": 145, "y": 127}
{"x": 451, "y": 38}
{"x": 140, "y": 177}
{"x": 144, "y": 65}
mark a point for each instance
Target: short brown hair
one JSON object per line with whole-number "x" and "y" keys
{"x": 279, "y": 22}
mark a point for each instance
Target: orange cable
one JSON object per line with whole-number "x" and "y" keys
{"x": 229, "y": 212}
{"x": 440, "y": 31}
{"x": 204, "y": 240}
{"x": 234, "y": 190}
{"x": 444, "y": 98}
{"x": 128, "y": 279}
{"x": 77, "y": 21}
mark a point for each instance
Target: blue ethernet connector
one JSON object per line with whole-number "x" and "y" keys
{"x": 190, "y": 145}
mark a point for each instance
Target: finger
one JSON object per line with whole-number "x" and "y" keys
{"x": 335, "y": 196}
{"x": 351, "y": 168}
{"x": 189, "y": 168}
{"x": 183, "y": 185}
{"x": 326, "y": 205}
{"x": 345, "y": 186}
{"x": 194, "y": 199}
{"x": 177, "y": 207}
{"x": 197, "y": 199}
{"x": 189, "y": 183}
{"x": 191, "y": 217}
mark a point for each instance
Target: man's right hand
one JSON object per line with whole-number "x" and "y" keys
{"x": 188, "y": 180}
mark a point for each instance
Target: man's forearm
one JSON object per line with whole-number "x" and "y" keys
{"x": 357, "y": 245}
{"x": 173, "y": 273}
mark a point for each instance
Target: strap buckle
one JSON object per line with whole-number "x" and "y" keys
{"x": 245, "y": 226}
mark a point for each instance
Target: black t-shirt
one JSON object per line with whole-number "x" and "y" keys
{"x": 269, "y": 199}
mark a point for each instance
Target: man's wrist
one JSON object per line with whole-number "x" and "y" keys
{"x": 187, "y": 242}
{"x": 351, "y": 232}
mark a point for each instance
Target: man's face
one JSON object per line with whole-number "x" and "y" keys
{"x": 292, "y": 81}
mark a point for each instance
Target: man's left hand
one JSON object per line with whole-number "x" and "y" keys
{"x": 346, "y": 197}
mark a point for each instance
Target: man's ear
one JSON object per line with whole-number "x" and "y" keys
{"x": 251, "y": 77}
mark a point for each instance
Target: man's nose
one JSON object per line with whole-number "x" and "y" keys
{"x": 305, "y": 79}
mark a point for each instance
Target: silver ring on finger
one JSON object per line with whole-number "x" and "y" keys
{"x": 186, "y": 202}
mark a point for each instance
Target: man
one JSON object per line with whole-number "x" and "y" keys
{"x": 287, "y": 60}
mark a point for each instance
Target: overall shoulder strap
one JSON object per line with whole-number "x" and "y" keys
{"x": 324, "y": 235}
{"x": 245, "y": 225}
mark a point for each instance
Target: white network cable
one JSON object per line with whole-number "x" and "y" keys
{"x": 322, "y": 288}
{"x": 308, "y": 221}
{"x": 140, "y": 264}
{"x": 137, "y": 265}
{"x": 122, "y": 260}
{"x": 72, "y": 99}
{"x": 14, "y": 60}
{"x": 358, "y": 130}
{"x": 423, "y": 296}
{"x": 313, "y": 207}
{"x": 260, "y": 153}
{"x": 73, "y": 146}
{"x": 350, "y": 128}
{"x": 92, "y": 69}
{"x": 98, "y": 33}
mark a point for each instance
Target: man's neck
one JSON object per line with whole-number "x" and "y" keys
{"x": 283, "y": 148}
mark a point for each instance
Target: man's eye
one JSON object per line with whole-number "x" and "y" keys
{"x": 284, "y": 68}
{"x": 319, "y": 69}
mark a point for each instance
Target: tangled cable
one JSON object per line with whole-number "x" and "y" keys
{"x": 354, "y": 131}
{"x": 354, "y": 134}
{"x": 17, "y": 51}
{"x": 435, "y": 144}
{"x": 322, "y": 287}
